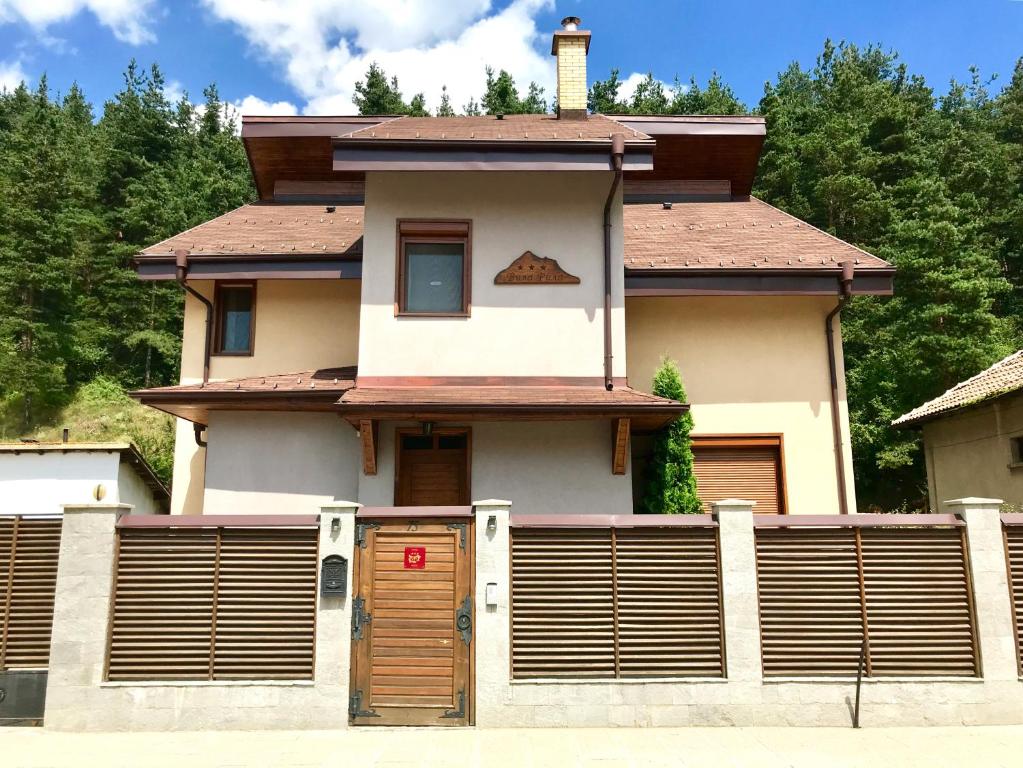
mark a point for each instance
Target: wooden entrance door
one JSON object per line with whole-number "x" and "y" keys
{"x": 432, "y": 470}
{"x": 412, "y": 622}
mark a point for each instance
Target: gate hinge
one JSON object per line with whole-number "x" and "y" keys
{"x": 360, "y": 533}
{"x": 355, "y": 707}
{"x": 463, "y": 620}
{"x": 359, "y": 617}
{"x": 457, "y": 714}
{"x": 461, "y": 527}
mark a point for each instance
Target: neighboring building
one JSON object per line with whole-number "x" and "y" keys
{"x": 973, "y": 436}
{"x": 36, "y": 481}
{"x": 483, "y": 302}
{"x": 38, "y": 478}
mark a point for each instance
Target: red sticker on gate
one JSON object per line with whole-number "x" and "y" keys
{"x": 415, "y": 557}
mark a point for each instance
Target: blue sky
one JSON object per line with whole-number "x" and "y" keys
{"x": 304, "y": 55}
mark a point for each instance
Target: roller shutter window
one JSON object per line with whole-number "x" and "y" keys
{"x": 740, "y": 468}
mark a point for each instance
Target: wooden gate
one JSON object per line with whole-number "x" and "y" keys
{"x": 412, "y": 617}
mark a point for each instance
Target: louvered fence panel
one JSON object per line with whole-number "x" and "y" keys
{"x": 163, "y": 604}
{"x": 562, "y": 603}
{"x": 1014, "y": 552}
{"x": 669, "y": 602}
{"x": 811, "y": 618}
{"x": 29, "y": 550}
{"x": 266, "y": 604}
{"x": 919, "y": 610}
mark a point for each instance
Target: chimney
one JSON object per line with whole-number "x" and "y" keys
{"x": 571, "y": 45}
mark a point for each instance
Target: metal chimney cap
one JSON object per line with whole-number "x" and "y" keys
{"x": 571, "y": 23}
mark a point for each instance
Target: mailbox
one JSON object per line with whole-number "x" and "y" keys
{"x": 334, "y": 576}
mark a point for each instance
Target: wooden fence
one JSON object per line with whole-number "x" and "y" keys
{"x": 29, "y": 549}
{"x": 1012, "y": 527}
{"x": 894, "y": 588}
{"x": 209, "y": 598}
{"x": 598, "y": 596}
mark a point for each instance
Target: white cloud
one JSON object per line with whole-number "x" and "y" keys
{"x": 253, "y": 105}
{"x": 324, "y": 46}
{"x": 11, "y": 75}
{"x": 628, "y": 87}
{"x": 129, "y": 20}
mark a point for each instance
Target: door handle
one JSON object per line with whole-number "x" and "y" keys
{"x": 463, "y": 620}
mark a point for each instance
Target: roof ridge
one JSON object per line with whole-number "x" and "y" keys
{"x": 818, "y": 229}
{"x": 921, "y": 409}
{"x": 192, "y": 229}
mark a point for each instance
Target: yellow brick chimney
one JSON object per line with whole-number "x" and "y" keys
{"x": 571, "y": 45}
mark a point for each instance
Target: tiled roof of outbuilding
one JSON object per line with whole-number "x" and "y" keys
{"x": 736, "y": 234}
{"x": 271, "y": 228}
{"x": 1003, "y": 377}
{"x": 490, "y": 128}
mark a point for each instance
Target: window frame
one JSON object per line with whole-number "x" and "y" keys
{"x": 432, "y": 231}
{"x": 218, "y": 319}
{"x": 752, "y": 440}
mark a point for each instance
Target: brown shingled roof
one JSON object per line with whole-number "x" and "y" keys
{"x": 271, "y": 228}
{"x": 731, "y": 235}
{"x": 489, "y": 128}
{"x": 305, "y": 390}
{"x": 518, "y": 401}
{"x": 1003, "y": 377}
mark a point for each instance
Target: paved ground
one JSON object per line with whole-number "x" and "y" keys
{"x": 682, "y": 748}
{"x": 679, "y": 748}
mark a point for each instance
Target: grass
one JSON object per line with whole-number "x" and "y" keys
{"x": 101, "y": 411}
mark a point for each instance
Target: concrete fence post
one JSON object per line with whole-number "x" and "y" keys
{"x": 81, "y": 611}
{"x": 334, "y": 614}
{"x": 988, "y": 573}
{"x": 741, "y": 619}
{"x": 493, "y": 616}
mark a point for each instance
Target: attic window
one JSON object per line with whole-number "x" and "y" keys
{"x": 433, "y": 274}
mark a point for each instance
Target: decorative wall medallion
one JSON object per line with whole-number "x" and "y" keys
{"x": 532, "y": 269}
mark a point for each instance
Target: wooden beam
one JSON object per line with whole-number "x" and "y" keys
{"x": 619, "y": 445}
{"x": 368, "y": 433}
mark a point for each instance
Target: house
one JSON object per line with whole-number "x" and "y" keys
{"x": 430, "y": 310}
{"x": 973, "y": 436}
{"x": 414, "y": 411}
{"x": 37, "y": 479}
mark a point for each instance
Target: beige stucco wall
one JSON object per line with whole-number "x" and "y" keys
{"x": 514, "y": 330}
{"x": 546, "y": 467}
{"x": 968, "y": 453}
{"x": 752, "y": 365}
{"x": 300, "y": 325}
{"x": 279, "y": 463}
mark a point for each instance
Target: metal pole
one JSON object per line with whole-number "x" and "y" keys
{"x": 859, "y": 682}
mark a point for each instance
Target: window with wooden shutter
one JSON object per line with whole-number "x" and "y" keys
{"x": 29, "y": 550}
{"x": 737, "y": 467}
{"x": 214, "y": 604}
{"x": 616, "y": 602}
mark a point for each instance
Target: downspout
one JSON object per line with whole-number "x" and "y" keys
{"x": 181, "y": 259}
{"x": 845, "y": 293}
{"x": 617, "y": 153}
{"x": 199, "y": 429}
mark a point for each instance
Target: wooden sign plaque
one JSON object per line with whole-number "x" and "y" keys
{"x": 530, "y": 269}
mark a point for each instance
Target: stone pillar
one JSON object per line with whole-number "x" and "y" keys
{"x": 334, "y": 614}
{"x": 988, "y": 573}
{"x": 741, "y": 619}
{"x": 81, "y": 611}
{"x": 492, "y": 633}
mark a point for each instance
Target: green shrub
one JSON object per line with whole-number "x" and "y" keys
{"x": 671, "y": 483}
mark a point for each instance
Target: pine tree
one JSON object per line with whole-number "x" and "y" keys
{"x": 671, "y": 481}
{"x": 417, "y": 107}
{"x": 500, "y": 95}
{"x": 445, "y": 109}
{"x": 377, "y": 96}
{"x": 603, "y": 96}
